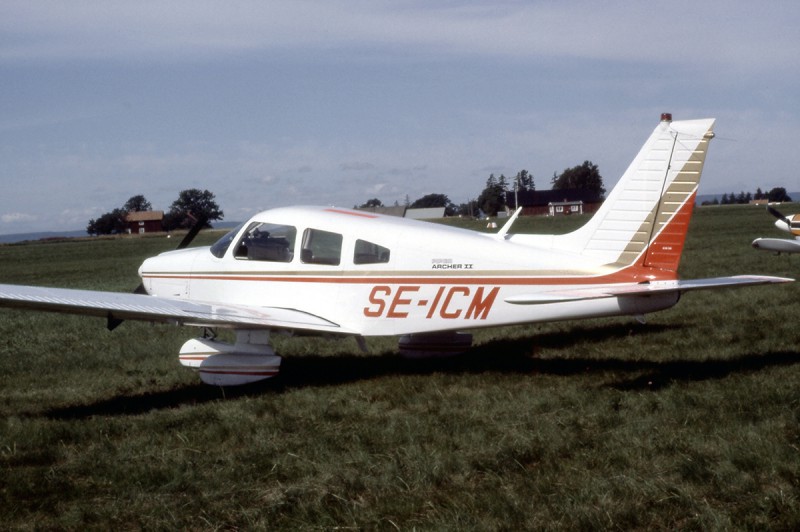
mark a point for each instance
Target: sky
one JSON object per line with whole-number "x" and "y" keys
{"x": 332, "y": 102}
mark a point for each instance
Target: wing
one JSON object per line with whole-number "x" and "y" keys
{"x": 641, "y": 289}
{"x": 778, "y": 245}
{"x": 121, "y": 306}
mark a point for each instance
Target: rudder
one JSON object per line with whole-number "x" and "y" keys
{"x": 674, "y": 210}
{"x": 645, "y": 217}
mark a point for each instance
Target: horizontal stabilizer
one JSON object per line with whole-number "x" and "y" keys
{"x": 150, "y": 308}
{"x": 641, "y": 289}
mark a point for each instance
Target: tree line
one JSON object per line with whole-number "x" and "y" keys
{"x": 493, "y": 198}
{"x": 775, "y": 195}
{"x": 191, "y": 205}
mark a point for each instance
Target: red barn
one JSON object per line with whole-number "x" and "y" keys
{"x": 145, "y": 222}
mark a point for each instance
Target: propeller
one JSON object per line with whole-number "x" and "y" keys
{"x": 774, "y": 212}
{"x": 793, "y": 229}
{"x": 199, "y": 222}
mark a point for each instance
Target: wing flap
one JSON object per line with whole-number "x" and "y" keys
{"x": 150, "y": 308}
{"x": 641, "y": 289}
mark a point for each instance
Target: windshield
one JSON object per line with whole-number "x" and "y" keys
{"x": 221, "y": 246}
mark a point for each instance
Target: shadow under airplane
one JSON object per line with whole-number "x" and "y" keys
{"x": 507, "y": 356}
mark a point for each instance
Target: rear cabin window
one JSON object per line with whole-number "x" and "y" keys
{"x": 369, "y": 253}
{"x": 321, "y": 247}
{"x": 267, "y": 242}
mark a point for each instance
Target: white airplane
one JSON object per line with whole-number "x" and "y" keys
{"x": 333, "y": 271}
{"x": 790, "y": 224}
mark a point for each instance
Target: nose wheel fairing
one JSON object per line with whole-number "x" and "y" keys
{"x": 250, "y": 359}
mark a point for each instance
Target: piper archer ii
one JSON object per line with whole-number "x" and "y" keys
{"x": 333, "y": 271}
{"x": 790, "y": 224}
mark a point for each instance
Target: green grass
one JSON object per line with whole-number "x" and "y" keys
{"x": 690, "y": 421}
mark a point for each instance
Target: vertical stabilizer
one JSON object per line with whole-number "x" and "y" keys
{"x": 645, "y": 217}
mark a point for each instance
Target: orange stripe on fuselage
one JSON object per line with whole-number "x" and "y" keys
{"x": 633, "y": 274}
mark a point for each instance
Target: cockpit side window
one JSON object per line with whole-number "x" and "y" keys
{"x": 321, "y": 247}
{"x": 267, "y": 242}
{"x": 369, "y": 253}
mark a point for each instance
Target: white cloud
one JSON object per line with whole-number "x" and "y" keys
{"x": 736, "y": 33}
{"x": 356, "y": 166}
{"x": 17, "y": 218}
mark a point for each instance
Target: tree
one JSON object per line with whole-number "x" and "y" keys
{"x": 374, "y": 202}
{"x": 434, "y": 200}
{"x": 502, "y": 183}
{"x": 524, "y": 181}
{"x": 582, "y": 177}
{"x": 741, "y": 198}
{"x": 778, "y": 194}
{"x": 465, "y": 209}
{"x": 109, "y": 223}
{"x": 192, "y": 204}
{"x": 137, "y": 204}
{"x": 493, "y": 197}
{"x": 114, "y": 222}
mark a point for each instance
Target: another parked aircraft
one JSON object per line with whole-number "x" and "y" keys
{"x": 790, "y": 224}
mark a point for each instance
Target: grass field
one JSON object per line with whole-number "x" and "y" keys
{"x": 691, "y": 421}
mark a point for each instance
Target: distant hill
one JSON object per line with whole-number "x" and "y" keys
{"x": 710, "y": 197}
{"x": 22, "y": 237}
